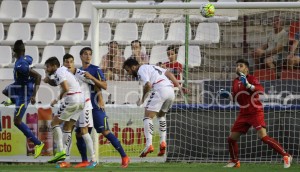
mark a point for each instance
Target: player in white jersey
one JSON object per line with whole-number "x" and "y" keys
{"x": 158, "y": 83}
{"x": 85, "y": 120}
{"x": 71, "y": 103}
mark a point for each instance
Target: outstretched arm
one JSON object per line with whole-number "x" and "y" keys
{"x": 172, "y": 78}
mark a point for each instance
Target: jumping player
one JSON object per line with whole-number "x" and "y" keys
{"x": 157, "y": 81}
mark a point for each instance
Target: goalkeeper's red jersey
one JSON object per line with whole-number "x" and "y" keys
{"x": 248, "y": 100}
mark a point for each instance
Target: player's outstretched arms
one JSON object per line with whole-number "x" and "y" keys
{"x": 37, "y": 81}
{"x": 172, "y": 78}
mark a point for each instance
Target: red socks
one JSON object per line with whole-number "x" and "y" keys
{"x": 233, "y": 149}
{"x": 275, "y": 145}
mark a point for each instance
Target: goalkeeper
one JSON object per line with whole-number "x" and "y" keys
{"x": 245, "y": 90}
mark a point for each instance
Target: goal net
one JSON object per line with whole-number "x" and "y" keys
{"x": 199, "y": 122}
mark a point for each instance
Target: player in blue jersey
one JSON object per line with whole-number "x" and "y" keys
{"x": 95, "y": 74}
{"x": 23, "y": 90}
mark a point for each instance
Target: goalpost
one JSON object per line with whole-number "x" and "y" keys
{"x": 199, "y": 122}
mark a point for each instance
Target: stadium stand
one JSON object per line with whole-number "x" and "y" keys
{"x": 44, "y": 34}
{"x": 116, "y": 15}
{"x": 143, "y": 15}
{"x": 194, "y": 56}
{"x": 33, "y": 51}
{"x": 265, "y": 74}
{"x": 1, "y": 32}
{"x": 207, "y": 33}
{"x": 63, "y": 11}
{"x": 7, "y": 14}
{"x": 125, "y": 33}
{"x": 36, "y": 11}
{"x": 290, "y": 74}
{"x": 6, "y": 74}
{"x": 85, "y": 13}
{"x": 166, "y": 15}
{"x": 153, "y": 33}
{"x": 6, "y": 56}
{"x": 49, "y": 51}
{"x": 17, "y": 31}
{"x": 158, "y": 54}
{"x": 104, "y": 34}
{"x": 176, "y": 34}
{"x": 128, "y": 51}
{"x": 71, "y": 34}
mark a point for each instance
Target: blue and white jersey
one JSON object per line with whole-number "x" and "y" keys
{"x": 84, "y": 85}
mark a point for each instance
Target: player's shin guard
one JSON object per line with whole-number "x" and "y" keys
{"x": 67, "y": 141}
{"x": 26, "y": 131}
{"x": 275, "y": 145}
{"x": 82, "y": 148}
{"x": 233, "y": 150}
{"x": 162, "y": 129}
{"x": 148, "y": 130}
{"x": 116, "y": 143}
{"x": 57, "y": 137}
{"x": 89, "y": 143}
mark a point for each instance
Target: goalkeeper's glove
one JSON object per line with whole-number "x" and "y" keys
{"x": 245, "y": 82}
{"x": 223, "y": 93}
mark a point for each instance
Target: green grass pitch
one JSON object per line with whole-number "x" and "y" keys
{"x": 156, "y": 167}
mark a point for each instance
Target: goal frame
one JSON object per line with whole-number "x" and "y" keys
{"x": 96, "y": 6}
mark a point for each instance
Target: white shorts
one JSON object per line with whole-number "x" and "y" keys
{"x": 85, "y": 119}
{"x": 161, "y": 99}
{"x": 69, "y": 111}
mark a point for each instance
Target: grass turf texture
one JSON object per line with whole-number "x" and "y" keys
{"x": 156, "y": 167}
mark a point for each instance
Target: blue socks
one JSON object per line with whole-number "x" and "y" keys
{"x": 82, "y": 148}
{"x": 24, "y": 128}
{"x": 116, "y": 143}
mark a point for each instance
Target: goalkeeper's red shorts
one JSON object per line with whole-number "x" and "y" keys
{"x": 244, "y": 122}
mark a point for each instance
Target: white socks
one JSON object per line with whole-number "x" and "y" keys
{"x": 67, "y": 141}
{"x": 89, "y": 143}
{"x": 57, "y": 136}
{"x": 162, "y": 128}
{"x": 148, "y": 130}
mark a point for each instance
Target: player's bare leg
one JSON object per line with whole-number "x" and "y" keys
{"x": 162, "y": 133}
{"x": 148, "y": 131}
{"x": 233, "y": 150}
{"x": 287, "y": 158}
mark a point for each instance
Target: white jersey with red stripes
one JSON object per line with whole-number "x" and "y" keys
{"x": 155, "y": 75}
{"x": 84, "y": 85}
{"x": 74, "y": 94}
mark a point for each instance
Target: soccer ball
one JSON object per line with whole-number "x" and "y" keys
{"x": 207, "y": 10}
